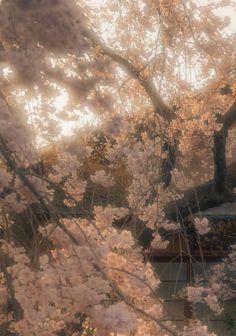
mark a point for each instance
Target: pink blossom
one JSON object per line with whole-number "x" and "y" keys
{"x": 100, "y": 177}
{"x": 202, "y": 225}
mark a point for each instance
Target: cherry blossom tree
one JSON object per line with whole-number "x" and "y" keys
{"x": 159, "y": 77}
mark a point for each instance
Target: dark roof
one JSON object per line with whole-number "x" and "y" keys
{"x": 225, "y": 210}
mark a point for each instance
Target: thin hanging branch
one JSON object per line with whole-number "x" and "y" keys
{"x": 159, "y": 105}
{"x": 219, "y": 189}
{"x": 146, "y": 83}
{"x": 202, "y": 197}
{"x": 7, "y": 156}
{"x": 13, "y": 305}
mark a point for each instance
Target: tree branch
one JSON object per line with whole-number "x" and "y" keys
{"x": 168, "y": 163}
{"x": 146, "y": 83}
{"x": 229, "y": 118}
{"x": 202, "y": 197}
{"x": 7, "y": 156}
{"x": 12, "y": 305}
{"x": 220, "y": 162}
{"x": 158, "y": 104}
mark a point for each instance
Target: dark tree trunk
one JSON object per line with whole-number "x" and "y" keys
{"x": 202, "y": 197}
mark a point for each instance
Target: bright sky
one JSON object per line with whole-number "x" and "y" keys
{"x": 87, "y": 117}
{"x": 228, "y": 11}
{"x": 84, "y": 118}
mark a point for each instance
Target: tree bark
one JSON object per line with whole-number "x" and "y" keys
{"x": 202, "y": 197}
{"x": 220, "y": 138}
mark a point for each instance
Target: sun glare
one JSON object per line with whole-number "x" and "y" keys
{"x": 83, "y": 118}
{"x": 67, "y": 127}
{"x": 87, "y": 117}
{"x": 61, "y": 101}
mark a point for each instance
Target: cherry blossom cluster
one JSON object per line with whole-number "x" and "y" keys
{"x": 149, "y": 91}
{"x": 202, "y": 225}
{"x": 92, "y": 277}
